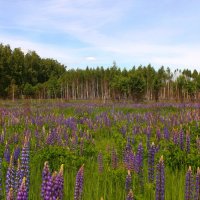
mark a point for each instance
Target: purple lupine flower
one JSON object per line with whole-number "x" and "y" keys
{"x": 16, "y": 155}
{"x": 197, "y": 188}
{"x": 100, "y": 162}
{"x": 160, "y": 180}
{"x": 46, "y": 182}
{"x": 18, "y": 177}
{"x": 58, "y": 185}
{"x": 129, "y": 159}
{"x": 175, "y": 138}
{"x": 166, "y": 133}
{"x": 158, "y": 134}
{"x": 128, "y": 182}
{"x": 114, "y": 159}
{"x": 181, "y": 139}
{"x": 148, "y": 133}
{"x": 139, "y": 165}
{"x": 189, "y": 185}
{"x": 188, "y": 143}
{"x": 10, "y": 195}
{"x": 130, "y": 195}
{"x": 151, "y": 162}
{"x": 7, "y": 153}
{"x": 25, "y": 162}
{"x": 22, "y": 193}
{"x": 139, "y": 158}
{"x": 10, "y": 176}
{"x": 79, "y": 184}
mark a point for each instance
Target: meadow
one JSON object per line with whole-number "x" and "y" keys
{"x": 95, "y": 151}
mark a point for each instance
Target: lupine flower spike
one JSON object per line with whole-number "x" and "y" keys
{"x": 128, "y": 181}
{"x": 197, "y": 189}
{"x": 22, "y": 194}
{"x": 189, "y": 185}
{"x": 130, "y": 195}
{"x": 160, "y": 180}
{"x": 79, "y": 184}
{"x": 10, "y": 195}
{"x": 46, "y": 182}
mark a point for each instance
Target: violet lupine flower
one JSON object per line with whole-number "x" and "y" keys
{"x": 189, "y": 185}
{"x": 16, "y": 155}
{"x": 166, "y": 133}
{"x": 10, "y": 195}
{"x": 148, "y": 133}
{"x": 158, "y": 134}
{"x": 130, "y": 195}
{"x": 7, "y": 153}
{"x": 10, "y": 176}
{"x": 114, "y": 159}
{"x": 22, "y": 193}
{"x": 18, "y": 177}
{"x": 151, "y": 162}
{"x": 46, "y": 182}
{"x": 139, "y": 158}
{"x": 188, "y": 143}
{"x": 175, "y": 138}
{"x": 58, "y": 185}
{"x": 160, "y": 180}
{"x": 181, "y": 139}
{"x": 79, "y": 184}
{"x": 197, "y": 189}
{"x": 128, "y": 182}
{"x": 100, "y": 162}
{"x": 25, "y": 161}
{"x": 139, "y": 167}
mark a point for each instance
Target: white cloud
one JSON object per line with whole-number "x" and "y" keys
{"x": 90, "y": 58}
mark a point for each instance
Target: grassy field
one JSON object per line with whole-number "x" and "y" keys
{"x": 102, "y": 137}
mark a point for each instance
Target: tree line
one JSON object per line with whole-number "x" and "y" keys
{"x": 30, "y": 76}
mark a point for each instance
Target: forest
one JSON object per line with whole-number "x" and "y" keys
{"x": 27, "y": 75}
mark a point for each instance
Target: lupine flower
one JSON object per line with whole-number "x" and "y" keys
{"x": 175, "y": 138}
{"x": 160, "y": 180}
{"x": 10, "y": 195}
{"x": 18, "y": 177}
{"x": 197, "y": 189}
{"x": 148, "y": 133}
{"x": 46, "y": 182}
{"x": 7, "y": 153}
{"x": 25, "y": 159}
{"x": 189, "y": 185}
{"x": 22, "y": 193}
{"x": 10, "y": 176}
{"x": 100, "y": 162}
{"x": 151, "y": 160}
{"x": 57, "y": 185}
{"x": 79, "y": 184}
{"x": 130, "y": 195}
{"x": 166, "y": 133}
{"x": 16, "y": 155}
{"x": 139, "y": 157}
{"x": 114, "y": 159}
{"x": 158, "y": 134}
{"x": 128, "y": 181}
{"x": 188, "y": 143}
{"x": 181, "y": 139}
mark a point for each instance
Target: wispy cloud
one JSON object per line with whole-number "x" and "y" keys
{"x": 88, "y": 32}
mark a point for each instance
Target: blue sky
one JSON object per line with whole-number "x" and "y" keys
{"x": 80, "y": 33}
